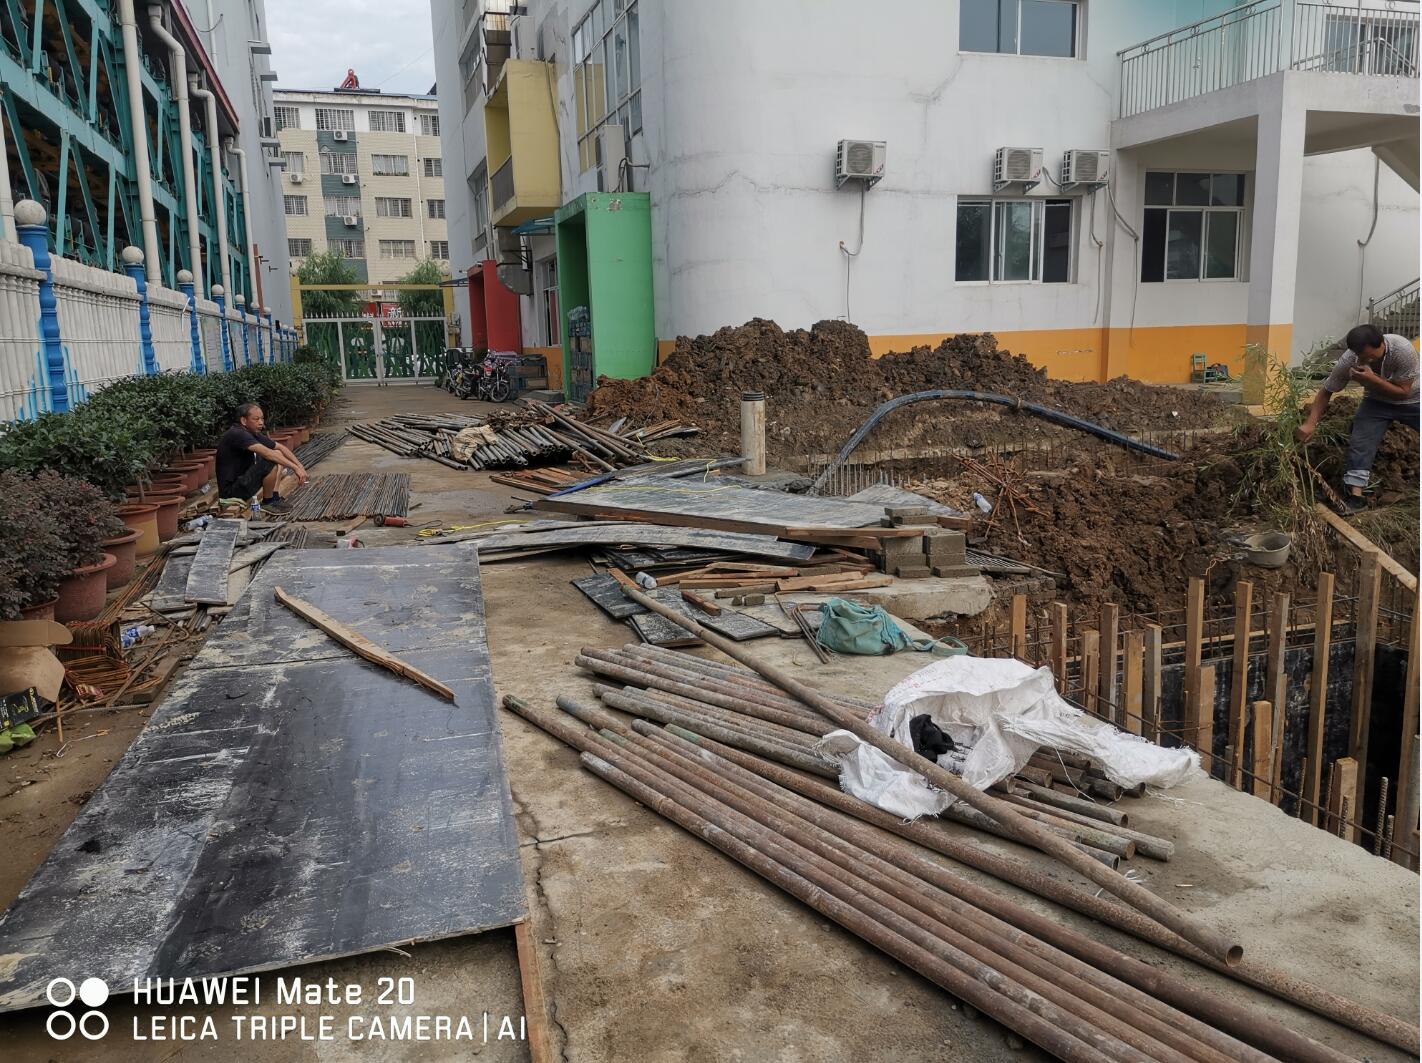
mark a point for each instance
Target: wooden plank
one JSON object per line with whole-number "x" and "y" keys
{"x": 1018, "y": 628}
{"x": 1407, "y": 783}
{"x": 1194, "y": 647}
{"x": 1090, "y": 669}
{"x": 358, "y": 644}
{"x": 1318, "y": 690}
{"x": 1345, "y": 786}
{"x": 1150, "y": 696}
{"x": 1060, "y": 623}
{"x": 535, "y": 1003}
{"x": 704, "y": 604}
{"x": 1365, "y": 644}
{"x": 1204, "y": 737}
{"x": 1276, "y": 682}
{"x": 1262, "y": 735}
{"x": 1239, "y": 679}
{"x": 624, "y": 534}
{"x": 207, "y": 579}
{"x": 1133, "y": 681}
{"x": 1362, "y": 542}
{"x": 1108, "y": 694}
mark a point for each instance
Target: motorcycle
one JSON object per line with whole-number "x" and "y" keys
{"x": 489, "y": 378}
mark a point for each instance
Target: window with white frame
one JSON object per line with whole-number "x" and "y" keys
{"x": 342, "y": 206}
{"x": 397, "y": 249}
{"x": 295, "y": 206}
{"x": 436, "y": 208}
{"x": 286, "y": 117}
{"x": 387, "y": 121}
{"x": 390, "y": 165}
{"x": 298, "y": 247}
{"x": 338, "y": 162}
{"x": 1193, "y": 226}
{"x": 333, "y": 118}
{"x": 295, "y": 161}
{"x": 1029, "y": 239}
{"x": 607, "y": 73}
{"x": 548, "y": 271}
{"x": 429, "y": 125}
{"x": 479, "y": 207}
{"x": 348, "y": 248}
{"x": 434, "y": 167}
{"x": 439, "y": 250}
{"x": 1020, "y": 27}
{"x": 392, "y": 207}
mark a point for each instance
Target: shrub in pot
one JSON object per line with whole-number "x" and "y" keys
{"x": 84, "y": 518}
{"x": 33, "y": 560}
{"x": 106, "y": 448}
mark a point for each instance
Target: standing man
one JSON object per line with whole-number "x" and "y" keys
{"x": 248, "y": 461}
{"x": 1386, "y": 366}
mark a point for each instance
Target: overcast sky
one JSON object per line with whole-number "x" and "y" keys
{"x": 386, "y": 42}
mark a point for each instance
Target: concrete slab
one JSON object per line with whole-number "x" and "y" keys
{"x": 924, "y": 599}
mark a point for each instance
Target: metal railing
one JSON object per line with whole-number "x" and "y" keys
{"x": 501, "y": 185}
{"x": 1378, "y": 41}
{"x": 1397, "y": 311}
{"x": 1248, "y": 42}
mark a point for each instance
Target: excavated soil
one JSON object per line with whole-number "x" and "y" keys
{"x": 821, "y": 384}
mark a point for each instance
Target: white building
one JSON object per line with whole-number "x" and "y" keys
{"x": 1260, "y": 168}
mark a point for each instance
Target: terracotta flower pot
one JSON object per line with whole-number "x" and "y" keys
{"x": 162, "y": 485}
{"x": 141, "y": 517}
{"x": 125, "y": 550}
{"x": 43, "y": 611}
{"x": 303, "y": 435}
{"x": 168, "y": 506}
{"x": 193, "y": 474}
{"x": 81, "y": 596}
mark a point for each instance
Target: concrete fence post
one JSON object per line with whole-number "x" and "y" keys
{"x": 133, "y": 266}
{"x": 30, "y": 219}
{"x": 219, "y": 296}
{"x": 185, "y": 285}
{"x": 272, "y": 350}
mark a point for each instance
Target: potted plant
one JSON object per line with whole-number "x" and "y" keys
{"x": 108, "y": 448}
{"x": 32, "y": 556}
{"x": 84, "y": 518}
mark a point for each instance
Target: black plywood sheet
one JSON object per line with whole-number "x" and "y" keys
{"x": 288, "y": 801}
{"x": 626, "y": 534}
{"x": 207, "y": 579}
{"x": 606, "y": 593}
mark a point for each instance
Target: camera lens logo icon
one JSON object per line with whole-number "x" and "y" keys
{"x": 93, "y": 1024}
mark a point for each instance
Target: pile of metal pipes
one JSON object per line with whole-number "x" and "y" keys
{"x": 1073, "y": 996}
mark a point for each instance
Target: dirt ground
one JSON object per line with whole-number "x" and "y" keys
{"x": 655, "y": 947}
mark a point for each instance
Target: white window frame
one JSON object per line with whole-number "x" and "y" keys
{"x": 288, "y": 201}
{"x": 1039, "y": 235}
{"x": 350, "y": 205}
{"x": 1078, "y": 35}
{"x": 349, "y": 248}
{"x": 381, "y": 169}
{"x": 600, "y": 22}
{"x": 430, "y": 209}
{"x": 329, "y": 166}
{"x": 295, "y": 161}
{"x": 429, "y": 125}
{"x": 436, "y": 246}
{"x": 294, "y": 245}
{"x": 383, "y": 120}
{"x": 280, "y": 109}
{"x": 393, "y": 207}
{"x": 1240, "y": 231}
{"x": 388, "y": 249}
{"x": 344, "y": 116}
{"x": 434, "y": 166}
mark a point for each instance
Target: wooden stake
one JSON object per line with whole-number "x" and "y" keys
{"x": 1318, "y": 689}
{"x": 1362, "y": 542}
{"x": 1301, "y": 810}
{"x": 535, "y": 1004}
{"x": 1365, "y": 642}
{"x": 360, "y": 645}
{"x": 1408, "y": 759}
{"x": 1239, "y": 678}
{"x": 1090, "y": 668}
{"x": 1060, "y": 623}
{"x": 1150, "y": 703}
{"x": 1019, "y": 626}
{"x": 1133, "y": 680}
{"x": 1276, "y": 687}
{"x": 1109, "y": 700}
{"x": 1345, "y": 785}
{"x": 1328, "y": 800}
{"x": 1262, "y": 733}
{"x": 1204, "y": 737}
{"x": 1194, "y": 633}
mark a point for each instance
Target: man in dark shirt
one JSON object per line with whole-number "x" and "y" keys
{"x": 248, "y": 461}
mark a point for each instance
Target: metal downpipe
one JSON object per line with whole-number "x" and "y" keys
{"x": 138, "y": 121}
{"x": 246, "y": 189}
{"x": 219, "y": 198}
{"x": 179, "y": 80}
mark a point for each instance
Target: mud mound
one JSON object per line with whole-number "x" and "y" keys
{"x": 822, "y": 383}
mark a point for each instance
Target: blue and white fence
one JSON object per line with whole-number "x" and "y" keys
{"x": 67, "y": 329}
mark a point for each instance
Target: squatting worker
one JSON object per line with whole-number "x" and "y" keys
{"x": 1386, "y": 366}
{"x": 248, "y": 461}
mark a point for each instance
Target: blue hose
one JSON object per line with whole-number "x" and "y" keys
{"x": 1044, "y": 412}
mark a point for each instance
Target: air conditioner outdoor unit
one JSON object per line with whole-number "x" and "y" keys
{"x": 297, "y": 178}
{"x": 1085, "y": 166}
{"x": 351, "y": 221}
{"x": 859, "y": 160}
{"x": 1019, "y": 168}
{"x": 340, "y": 136}
{"x": 348, "y": 178}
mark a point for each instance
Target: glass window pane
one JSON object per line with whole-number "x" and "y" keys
{"x": 1182, "y": 245}
{"x": 1012, "y": 233}
{"x": 1227, "y": 190}
{"x": 1159, "y": 189}
{"x": 604, "y": 53}
{"x": 1192, "y": 189}
{"x": 1153, "y": 246}
{"x": 1221, "y": 234}
{"x": 978, "y": 24}
{"x": 1048, "y": 28}
{"x": 619, "y": 60}
{"x": 972, "y": 240}
{"x": 1056, "y": 242}
{"x": 634, "y": 49}
{"x": 636, "y": 110}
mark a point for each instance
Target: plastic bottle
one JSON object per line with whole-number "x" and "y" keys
{"x": 255, "y": 513}
{"x": 982, "y": 503}
{"x": 135, "y": 632}
{"x": 645, "y": 581}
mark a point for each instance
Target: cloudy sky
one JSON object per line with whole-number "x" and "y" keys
{"x": 386, "y": 42}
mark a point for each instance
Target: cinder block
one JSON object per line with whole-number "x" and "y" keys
{"x": 748, "y": 599}
{"x": 896, "y": 512}
{"x": 905, "y": 551}
{"x": 955, "y": 571}
{"x": 912, "y": 571}
{"x": 916, "y": 520}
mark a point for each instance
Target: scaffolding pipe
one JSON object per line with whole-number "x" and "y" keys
{"x": 138, "y": 121}
{"x": 1045, "y": 412}
{"x": 219, "y": 198}
{"x": 179, "y": 82}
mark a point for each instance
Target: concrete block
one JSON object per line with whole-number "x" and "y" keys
{"x": 912, "y": 571}
{"x": 905, "y": 551}
{"x": 918, "y": 520}
{"x": 922, "y": 599}
{"x": 955, "y": 571}
{"x": 896, "y": 512}
{"x": 748, "y": 599}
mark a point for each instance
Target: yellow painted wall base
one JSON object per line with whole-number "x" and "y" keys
{"x": 554, "y": 358}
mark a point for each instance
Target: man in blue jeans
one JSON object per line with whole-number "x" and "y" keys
{"x": 1386, "y": 366}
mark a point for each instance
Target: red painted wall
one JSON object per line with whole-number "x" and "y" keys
{"x": 478, "y": 318}
{"x": 500, "y": 311}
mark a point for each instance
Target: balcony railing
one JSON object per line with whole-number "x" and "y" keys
{"x": 501, "y": 185}
{"x": 1397, "y": 311}
{"x": 1249, "y": 42}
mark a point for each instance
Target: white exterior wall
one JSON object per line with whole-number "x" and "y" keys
{"x": 22, "y": 367}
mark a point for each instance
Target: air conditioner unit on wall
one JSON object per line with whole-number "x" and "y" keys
{"x": 1085, "y": 166}
{"x": 348, "y": 178}
{"x": 340, "y": 136}
{"x": 297, "y": 178}
{"x": 1017, "y": 168}
{"x": 351, "y": 220}
{"x": 859, "y": 160}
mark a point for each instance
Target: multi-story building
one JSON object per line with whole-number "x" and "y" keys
{"x": 195, "y": 190}
{"x": 1110, "y": 186}
{"x": 364, "y": 178}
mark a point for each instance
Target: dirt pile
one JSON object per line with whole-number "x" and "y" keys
{"x": 822, "y": 383}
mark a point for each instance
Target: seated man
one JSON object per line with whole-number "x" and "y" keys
{"x": 248, "y": 461}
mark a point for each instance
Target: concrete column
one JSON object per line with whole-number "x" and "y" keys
{"x": 7, "y": 205}
{"x": 1274, "y": 239}
{"x": 33, "y": 230}
{"x": 1122, "y": 272}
